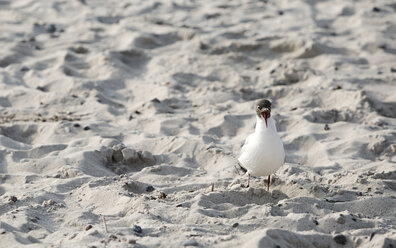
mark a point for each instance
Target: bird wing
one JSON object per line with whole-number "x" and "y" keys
{"x": 275, "y": 125}
{"x": 246, "y": 143}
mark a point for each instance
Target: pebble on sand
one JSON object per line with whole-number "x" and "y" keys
{"x": 340, "y": 239}
{"x": 150, "y": 188}
{"x": 12, "y": 199}
{"x": 137, "y": 229}
{"x": 88, "y": 227}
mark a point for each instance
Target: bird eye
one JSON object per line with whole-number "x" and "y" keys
{"x": 258, "y": 107}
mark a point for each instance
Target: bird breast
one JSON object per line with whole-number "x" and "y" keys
{"x": 264, "y": 153}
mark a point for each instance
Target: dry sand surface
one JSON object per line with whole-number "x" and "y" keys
{"x": 116, "y": 117}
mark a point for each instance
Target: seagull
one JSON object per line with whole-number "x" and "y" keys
{"x": 263, "y": 153}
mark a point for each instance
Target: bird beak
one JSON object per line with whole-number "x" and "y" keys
{"x": 264, "y": 114}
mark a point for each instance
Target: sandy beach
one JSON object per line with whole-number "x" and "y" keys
{"x": 121, "y": 123}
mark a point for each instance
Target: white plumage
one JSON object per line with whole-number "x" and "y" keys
{"x": 263, "y": 153}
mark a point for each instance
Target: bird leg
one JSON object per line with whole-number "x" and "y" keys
{"x": 268, "y": 182}
{"x": 248, "y": 180}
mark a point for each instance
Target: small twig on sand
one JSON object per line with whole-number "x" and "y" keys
{"x": 236, "y": 169}
{"x": 104, "y": 224}
{"x": 212, "y": 187}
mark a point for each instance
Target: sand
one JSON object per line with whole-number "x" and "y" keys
{"x": 118, "y": 118}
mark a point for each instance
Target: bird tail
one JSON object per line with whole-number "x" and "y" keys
{"x": 240, "y": 168}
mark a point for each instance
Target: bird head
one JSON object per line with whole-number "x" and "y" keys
{"x": 263, "y": 110}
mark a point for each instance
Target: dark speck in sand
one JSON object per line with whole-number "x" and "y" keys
{"x": 51, "y": 28}
{"x": 80, "y": 50}
{"x": 338, "y": 87}
{"x": 326, "y": 127}
{"x": 43, "y": 89}
{"x": 112, "y": 237}
{"x": 137, "y": 112}
{"x": 235, "y": 224}
{"x": 87, "y": 128}
{"x": 76, "y": 125}
{"x": 340, "y": 239}
{"x": 162, "y": 195}
{"x": 150, "y": 188}
{"x": 137, "y": 229}
{"x": 88, "y": 227}
{"x": 203, "y": 46}
{"x": 376, "y": 9}
{"x": 12, "y": 199}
